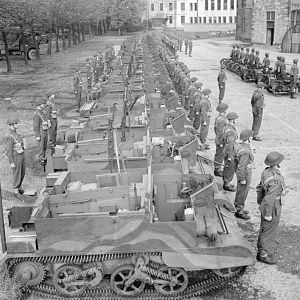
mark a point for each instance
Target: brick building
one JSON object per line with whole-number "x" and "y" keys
{"x": 181, "y": 12}
{"x": 265, "y": 21}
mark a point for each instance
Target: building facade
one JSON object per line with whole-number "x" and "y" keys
{"x": 177, "y": 13}
{"x": 265, "y": 21}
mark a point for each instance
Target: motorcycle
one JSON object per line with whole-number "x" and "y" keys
{"x": 278, "y": 87}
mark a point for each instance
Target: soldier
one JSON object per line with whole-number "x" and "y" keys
{"x": 88, "y": 69}
{"x": 205, "y": 111}
{"x": 51, "y": 115}
{"x": 180, "y": 42}
{"x": 190, "y": 44}
{"x": 95, "y": 68}
{"x": 294, "y": 78}
{"x": 232, "y": 54}
{"x": 251, "y": 58}
{"x": 199, "y": 86}
{"x": 15, "y": 151}
{"x": 229, "y": 138}
{"x": 196, "y": 116}
{"x": 77, "y": 83}
{"x": 220, "y": 123}
{"x": 247, "y": 57}
{"x": 244, "y": 159}
{"x": 186, "y": 44}
{"x": 241, "y": 56}
{"x": 237, "y": 53}
{"x": 282, "y": 68}
{"x": 256, "y": 60}
{"x": 221, "y": 83}
{"x": 269, "y": 193}
{"x": 266, "y": 62}
{"x": 40, "y": 127}
{"x": 258, "y": 104}
{"x": 277, "y": 66}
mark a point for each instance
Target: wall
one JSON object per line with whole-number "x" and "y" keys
{"x": 208, "y": 27}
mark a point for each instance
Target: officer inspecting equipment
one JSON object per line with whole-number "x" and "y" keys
{"x": 220, "y": 123}
{"x": 40, "y": 127}
{"x": 258, "y": 104}
{"x": 229, "y": 138}
{"x": 221, "y": 83}
{"x": 269, "y": 193}
{"x": 14, "y": 145}
{"x": 205, "y": 112}
{"x": 294, "y": 78}
{"x": 51, "y": 114}
{"x": 77, "y": 83}
{"x": 244, "y": 159}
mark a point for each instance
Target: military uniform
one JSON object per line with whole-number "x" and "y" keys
{"x": 247, "y": 57}
{"x": 190, "y": 44}
{"x": 222, "y": 83}
{"x": 88, "y": 69}
{"x": 186, "y": 44}
{"x": 282, "y": 69}
{"x": 258, "y": 104}
{"x": 266, "y": 62}
{"x": 242, "y": 56}
{"x": 205, "y": 112}
{"x": 251, "y": 58}
{"x": 77, "y": 83}
{"x": 232, "y": 54}
{"x": 256, "y": 60}
{"x": 196, "y": 115}
{"x": 294, "y": 78}
{"x": 40, "y": 127}
{"x": 244, "y": 161}
{"x": 277, "y": 66}
{"x": 14, "y": 145}
{"x": 51, "y": 115}
{"x": 269, "y": 193}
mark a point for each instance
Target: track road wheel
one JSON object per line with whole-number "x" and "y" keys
{"x": 228, "y": 272}
{"x": 173, "y": 281}
{"x": 121, "y": 284}
{"x": 68, "y": 281}
{"x": 29, "y": 272}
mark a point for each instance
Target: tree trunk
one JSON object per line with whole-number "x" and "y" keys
{"x": 74, "y": 34}
{"x": 49, "y": 48}
{"x": 119, "y": 31}
{"x": 104, "y": 27}
{"x": 82, "y": 31}
{"x": 63, "y": 38}
{"x": 100, "y": 28}
{"x": 90, "y": 30}
{"x": 24, "y": 46}
{"x": 69, "y": 36}
{"x": 78, "y": 30}
{"x": 36, "y": 44}
{"x": 56, "y": 39}
{"x": 8, "y": 63}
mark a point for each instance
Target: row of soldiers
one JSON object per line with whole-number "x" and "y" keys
{"x": 234, "y": 153}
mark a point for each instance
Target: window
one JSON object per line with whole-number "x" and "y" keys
{"x": 204, "y": 19}
{"x": 200, "y": 20}
{"x": 182, "y": 19}
{"x": 170, "y": 6}
{"x": 225, "y": 5}
{"x": 196, "y": 6}
{"x": 230, "y": 19}
{"x": 206, "y": 4}
{"x": 219, "y": 20}
{"x": 212, "y": 5}
{"x": 232, "y": 4}
{"x": 182, "y": 6}
{"x": 152, "y": 7}
{"x": 224, "y": 19}
{"x": 215, "y": 19}
{"x": 191, "y": 19}
{"x": 219, "y": 4}
{"x": 191, "y": 6}
{"x": 209, "y": 20}
{"x": 196, "y": 20}
{"x": 270, "y": 15}
{"x": 170, "y": 19}
{"x": 161, "y": 6}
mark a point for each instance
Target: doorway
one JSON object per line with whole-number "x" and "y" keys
{"x": 270, "y": 36}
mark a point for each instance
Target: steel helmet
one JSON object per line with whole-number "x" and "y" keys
{"x": 295, "y": 60}
{"x": 206, "y": 91}
{"x": 12, "y": 121}
{"x": 232, "y": 116}
{"x": 246, "y": 134}
{"x": 274, "y": 158}
{"x": 222, "y": 107}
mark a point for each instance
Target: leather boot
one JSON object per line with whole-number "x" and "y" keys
{"x": 218, "y": 173}
{"x": 229, "y": 188}
{"x": 242, "y": 215}
{"x": 269, "y": 259}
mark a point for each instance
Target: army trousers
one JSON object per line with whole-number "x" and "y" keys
{"x": 190, "y": 51}
{"x": 52, "y": 133}
{"x": 204, "y": 131}
{"x": 78, "y": 97}
{"x": 221, "y": 91}
{"x": 257, "y": 119}
{"x": 43, "y": 146}
{"x": 89, "y": 83}
{"x": 197, "y": 121}
{"x": 242, "y": 192}
{"x": 18, "y": 170}
{"x": 267, "y": 231}
{"x": 219, "y": 157}
{"x": 228, "y": 171}
{"x": 186, "y": 49}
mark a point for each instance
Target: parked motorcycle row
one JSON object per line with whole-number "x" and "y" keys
{"x": 250, "y": 69}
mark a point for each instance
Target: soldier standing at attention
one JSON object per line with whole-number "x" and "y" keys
{"x": 221, "y": 83}
{"x": 242, "y": 55}
{"x": 244, "y": 158}
{"x": 180, "y": 41}
{"x": 256, "y": 60}
{"x": 247, "y": 57}
{"x": 205, "y": 112}
{"x": 77, "y": 83}
{"x": 229, "y": 138}
{"x": 88, "y": 69}
{"x": 258, "y": 104}
{"x": 40, "y": 127}
{"x": 190, "y": 44}
{"x": 269, "y": 193}
{"x": 232, "y": 54}
{"x": 277, "y": 66}
{"x": 294, "y": 74}
{"x": 186, "y": 44}
{"x": 282, "y": 67}
{"x": 220, "y": 123}
{"x": 15, "y": 152}
{"x": 51, "y": 114}
{"x": 195, "y": 116}
{"x": 266, "y": 62}
{"x": 251, "y": 58}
